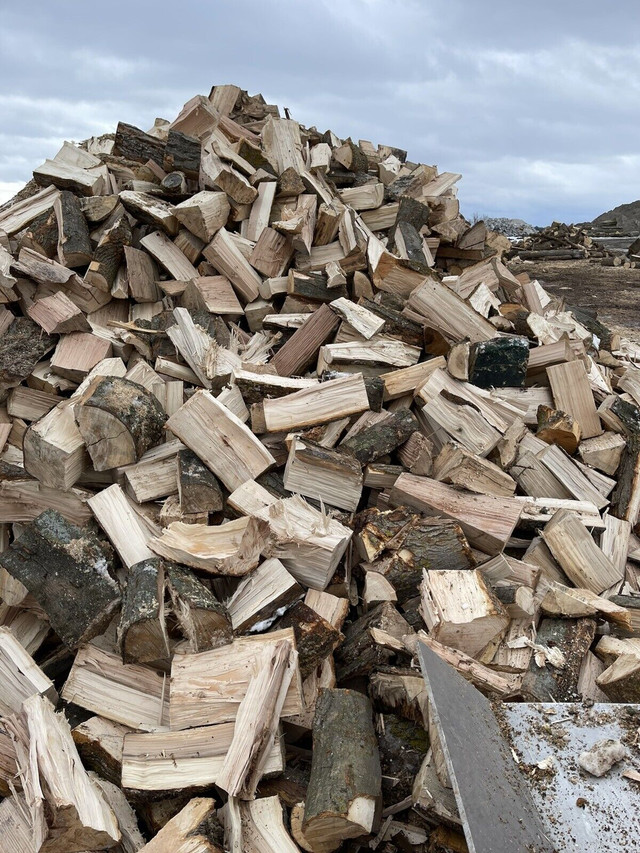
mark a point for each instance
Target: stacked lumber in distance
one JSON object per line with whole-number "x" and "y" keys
{"x": 271, "y": 413}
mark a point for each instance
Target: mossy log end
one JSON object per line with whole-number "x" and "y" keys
{"x": 67, "y": 570}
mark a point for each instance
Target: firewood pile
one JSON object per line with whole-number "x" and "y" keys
{"x": 560, "y": 242}
{"x": 258, "y": 443}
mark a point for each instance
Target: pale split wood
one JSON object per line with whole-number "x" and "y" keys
{"x": 329, "y": 401}
{"x": 257, "y": 720}
{"x": 207, "y": 688}
{"x": 572, "y": 394}
{"x": 126, "y": 532}
{"x": 134, "y": 695}
{"x": 220, "y": 440}
{"x": 575, "y": 550}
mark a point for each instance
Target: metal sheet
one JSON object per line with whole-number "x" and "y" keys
{"x": 584, "y": 813}
{"x": 496, "y": 807}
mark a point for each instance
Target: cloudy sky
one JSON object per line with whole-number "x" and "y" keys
{"x": 535, "y": 104}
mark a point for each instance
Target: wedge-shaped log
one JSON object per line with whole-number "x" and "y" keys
{"x": 142, "y": 634}
{"x": 323, "y": 474}
{"x": 487, "y": 521}
{"x": 381, "y": 437}
{"x": 258, "y": 719}
{"x": 66, "y": 568}
{"x": 127, "y": 532}
{"x": 261, "y": 594}
{"x": 580, "y": 558}
{"x": 257, "y": 825}
{"x": 100, "y": 743}
{"x": 220, "y": 440}
{"x": 204, "y": 621}
{"x": 345, "y": 785}
{"x": 54, "y": 450}
{"x": 445, "y": 311}
{"x": 329, "y": 401}
{"x": 461, "y": 611}
{"x": 302, "y": 347}
{"x": 198, "y": 489}
{"x": 460, "y": 468}
{"x": 119, "y": 420}
{"x": 58, "y": 315}
{"x": 204, "y": 213}
{"x": 621, "y": 680}
{"x": 68, "y": 812}
{"x": 187, "y": 832}
{"x": 232, "y": 548}
{"x": 133, "y": 695}
{"x": 225, "y": 256}
{"x": 207, "y": 688}
{"x": 74, "y": 244}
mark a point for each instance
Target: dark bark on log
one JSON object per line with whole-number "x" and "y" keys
{"x": 74, "y": 243}
{"x": 313, "y": 286}
{"x": 135, "y": 412}
{"x": 109, "y": 255}
{"x": 182, "y": 153}
{"x": 403, "y": 747}
{"x": 396, "y": 326}
{"x": 360, "y": 654}
{"x": 622, "y": 499}
{"x": 135, "y": 144}
{"x": 381, "y": 438}
{"x": 345, "y": 768}
{"x": 499, "y": 363}
{"x": 548, "y": 684}
{"x": 316, "y": 638}
{"x": 203, "y": 619}
{"x": 550, "y": 254}
{"x": 198, "y": 488}
{"x": 22, "y": 346}
{"x": 141, "y": 633}
{"x": 66, "y": 569}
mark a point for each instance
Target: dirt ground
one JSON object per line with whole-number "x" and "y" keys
{"x": 612, "y": 291}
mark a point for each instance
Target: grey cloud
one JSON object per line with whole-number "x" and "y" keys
{"x": 534, "y": 104}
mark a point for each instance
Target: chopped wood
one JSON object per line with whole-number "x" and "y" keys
{"x": 329, "y": 401}
{"x": 324, "y": 474}
{"x": 572, "y": 394}
{"x": 260, "y": 380}
{"x": 487, "y": 521}
{"x": 578, "y": 555}
{"x": 222, "y": 677}
{"x": 220, "y": 440}
{"x": 345, "y": 783}
{"x": 119, "y": 421}
{"x": 232, "y": 548}
{"x": 66, "y": 569}
{"x": 133, "y": 695}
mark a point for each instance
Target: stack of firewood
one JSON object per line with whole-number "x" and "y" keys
{"x": 560, "y": 242}
{"x": 255, "y": 448}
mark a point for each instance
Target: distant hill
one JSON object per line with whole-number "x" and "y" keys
{"x": 625, "y": 218}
